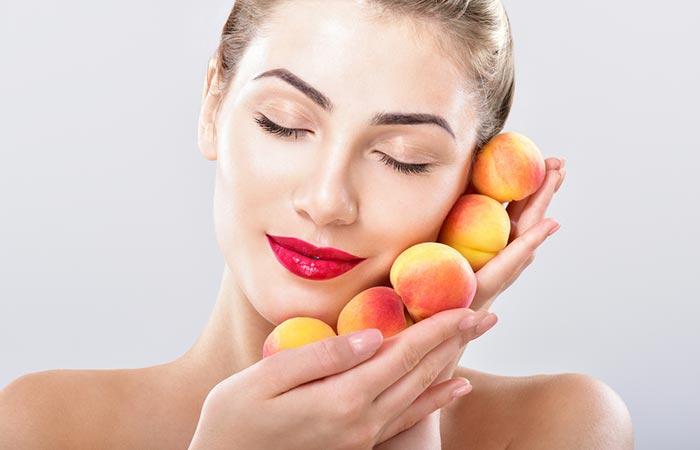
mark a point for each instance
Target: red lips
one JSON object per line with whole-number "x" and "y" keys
{"x": 311, "y": 262}
{"x": 312, "y": 251}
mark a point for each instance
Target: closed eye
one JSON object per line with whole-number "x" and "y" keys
{"x": 405, "y": 167}
{"x": 271, "y": 127}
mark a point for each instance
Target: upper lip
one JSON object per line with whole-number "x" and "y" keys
{"x": 310, "y": 250}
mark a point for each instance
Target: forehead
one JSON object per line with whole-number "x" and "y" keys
{"x": 363, "y": 64}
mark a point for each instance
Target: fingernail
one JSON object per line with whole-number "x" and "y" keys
{"x": 464, "y": 389}
{"x": 486, "y": 324}
{"x": 554, "y": 229}
{"x": 365, "y": 341}
{"x": 563, "y": 162}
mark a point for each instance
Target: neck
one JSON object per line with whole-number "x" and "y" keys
{"x": 231, "y": 340}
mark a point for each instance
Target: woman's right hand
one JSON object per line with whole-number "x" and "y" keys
{"x": 333, "y": 394}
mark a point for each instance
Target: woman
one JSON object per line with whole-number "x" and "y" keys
{"x": 306, "y": 110}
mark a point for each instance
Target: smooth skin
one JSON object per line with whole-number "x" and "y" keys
{"x": 331, "y": 187}
{"x": 354, "y": 400}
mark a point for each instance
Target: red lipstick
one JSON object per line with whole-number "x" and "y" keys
{"x": 311, "y": 262}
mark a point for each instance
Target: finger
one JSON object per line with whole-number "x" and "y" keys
{"x": 403, "y": 351}
{"x": 516, "y": 207}
{"x": 520, "y": 270}
{"x": 431, "y": 400}
{"x": 492, "y": 278}
{"x": 293, "y": 367}
{"x": 401, "y": 394}
{"x": 449, "y": 370}
{"x": 562, "y": 171}
{"x": 537, "y": 207}
{"x": 526, "y": 264}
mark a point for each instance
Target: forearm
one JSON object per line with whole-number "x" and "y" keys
{"x": 425, "y": 435}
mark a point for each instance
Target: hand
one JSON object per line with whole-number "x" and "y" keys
{"x": 528, "y": 230}
{"x": 326, "y": 396}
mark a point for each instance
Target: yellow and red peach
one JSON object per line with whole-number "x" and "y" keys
{"x": 376, "y": 307}
{"x": 431, "y": 277}
{"x": 478, "y": 227}
{"x": 295, "y": 332}
{"x": 509, "y": 167}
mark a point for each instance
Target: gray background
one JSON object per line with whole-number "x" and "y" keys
{"x": 107, "y": 251}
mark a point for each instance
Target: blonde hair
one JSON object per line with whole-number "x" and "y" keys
{"x": 474, "y": 34}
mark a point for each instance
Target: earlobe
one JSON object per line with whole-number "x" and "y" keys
{"x": 211, "y": 98}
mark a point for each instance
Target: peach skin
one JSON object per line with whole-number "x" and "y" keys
{"x": 296, "y": 332}
{"x": 431, "y": 277}
{"x": 376, "y": 307}
{"x": 509, "y": 167}
{"x": 409, "y": 319}
{"x": 478, "y": 227}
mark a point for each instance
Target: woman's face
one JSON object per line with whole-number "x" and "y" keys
{"x": 333, "y": 184}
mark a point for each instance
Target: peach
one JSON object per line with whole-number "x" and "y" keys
{"x": 431, "y": 277}
{"x": 376, "y": 307}
{"x": 478, "y": 227}
{"x": 509, "y": 167}
{"x": 409, "y": 319}
{"x": 296, "y": 332}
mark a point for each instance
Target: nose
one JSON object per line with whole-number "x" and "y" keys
{"x": 326, "y": 195}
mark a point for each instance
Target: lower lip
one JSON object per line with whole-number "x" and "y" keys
{"x": 309, "y": 268}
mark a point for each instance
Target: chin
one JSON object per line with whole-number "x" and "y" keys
{"x": 278, "y": 308}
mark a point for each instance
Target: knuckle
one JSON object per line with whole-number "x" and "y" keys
{"x": 213, "y": 399}
{"x": 410, "y": 357}
{"x": 407, "y": 422}
{"x": 435, "y": 402}
{"x": 428, "y": 375}
{"x": 531, "y": 241}
{"x": 219, "y": 400}
{"x": 366, "y": 435}
{"x": 221, "y": 389}
{"x": 327, "y": 356}
{"x": 350, "y": 407}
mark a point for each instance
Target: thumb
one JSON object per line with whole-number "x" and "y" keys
{"x": 293, "y": 367}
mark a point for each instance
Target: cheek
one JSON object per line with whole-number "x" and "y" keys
{"x": 251, "y": 184}
{"x": 403, "y": 212}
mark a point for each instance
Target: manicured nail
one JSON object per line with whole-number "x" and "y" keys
{"x": 486, "y": 324}
{"x": 464, "y": 389}
{"x": 365, "y": 341}
{"x": 554, "y": 230}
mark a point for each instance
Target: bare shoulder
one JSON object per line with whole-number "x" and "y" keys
{"x": 490, "y": 415}
{"x": 62, "y": 408}
{"x": 543, "y": 411}
{"x": 574, "y": 410}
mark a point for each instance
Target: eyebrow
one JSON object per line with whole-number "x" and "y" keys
{"x": 381, "y": 118}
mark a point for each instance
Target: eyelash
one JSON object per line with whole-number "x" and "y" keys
{"x": 272, "y": 128}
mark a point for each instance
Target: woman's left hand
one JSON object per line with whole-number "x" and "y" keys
{"x": 528, "y": 231}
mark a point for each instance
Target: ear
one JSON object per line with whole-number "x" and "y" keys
{"x": 211, "y": 98}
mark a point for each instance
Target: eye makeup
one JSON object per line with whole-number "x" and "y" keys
{"x": 271, "y": 127}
